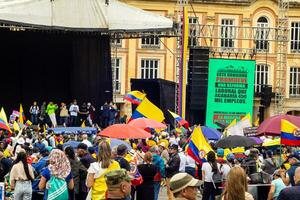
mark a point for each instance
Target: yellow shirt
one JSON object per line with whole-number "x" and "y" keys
{"x": 99, "y": 188}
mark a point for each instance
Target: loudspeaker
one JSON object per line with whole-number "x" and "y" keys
{"x": 160, "y": 92}
{"x": 197, "y": 84}
{"x": 198, "y": 78}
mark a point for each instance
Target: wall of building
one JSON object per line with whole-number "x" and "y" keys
{"x": 245, "y": 14}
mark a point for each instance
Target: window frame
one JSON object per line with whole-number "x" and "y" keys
{"x": 146, "y": 68}
{"x": 262, "y": 33}
{"x": 228, "y": 42}
{"x": 116, "y": 64}
{"x": 261, "y": 70}
{"x": 150, "y": 42}
{"x": 294, "y": 84}
{"x": 193, "y": 31}
{"x": 295, "y": 42}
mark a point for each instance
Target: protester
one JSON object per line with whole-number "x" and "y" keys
{"x": 269, "y": 164}
{"x": 105, "y": 115}
{"x": 74, "y": 110}
{"x": 42, "y": 162}
{"x": 63, "y": 114}
{"x": 118, "y": 185}
{"x": 91, "y": 114}
{"x": 236, "y": 185}
{"x": 164, "y": 152}
{"x": 85, "y": 157}
{"x": 161, "y": 174}
{"x": 43, "y": 113}
{"x": 34, "y": 111}
{"x": 97, "y": 171}
{"x": 288, "y": 177}
{"x": 79, "y": 172}
{"x": 172, "y": 166}
{"x": 190, "y": 166}
{"x": 292, "y": 193}
{"x": 182, "y": 156}
{"x": 51, "y": 108}
{"x": 121, "y": 153}
{"x": 21, "y": 176}
{"x": 276, "y": 186}
{"x": 210, "y": 168}
{"x": 184, "y": 186}
{"x": 86, "y": 141}
{"x": 148, "y": 171}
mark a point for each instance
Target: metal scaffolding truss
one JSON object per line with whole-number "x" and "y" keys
{"x": 282, "y": 48}
{"x": 237, "y": 32}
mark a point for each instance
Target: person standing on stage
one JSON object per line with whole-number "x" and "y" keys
{"x": 34, "y": 111}
{"x": 51, "y": 108}
{"x": 74, "y": 110}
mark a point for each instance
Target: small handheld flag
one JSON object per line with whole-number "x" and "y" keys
{"x": 179, "y": 120}
{"x": 135, "y": 97}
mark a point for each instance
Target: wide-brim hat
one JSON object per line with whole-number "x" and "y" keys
{"x": 182, "y": 180}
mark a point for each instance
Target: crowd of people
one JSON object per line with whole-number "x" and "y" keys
{"x": 38, "y": 165}
{"x": 74, "y": 115}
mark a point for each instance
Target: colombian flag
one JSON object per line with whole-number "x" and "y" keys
{"x": 180, "y": 120}
{"x": 4, "y": 126}
{"x": 148, "y": 110}
{"x": 290, "y": 133}
{"x": 135, "y": 97}
{"x": 198, "y": 147}
{"x": 22, "y": 117}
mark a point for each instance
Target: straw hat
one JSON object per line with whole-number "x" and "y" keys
{"x": 182, "y": 180}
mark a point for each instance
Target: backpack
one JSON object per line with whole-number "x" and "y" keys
{"x": 57, "y": 189}
{"x": 217, "y": 176}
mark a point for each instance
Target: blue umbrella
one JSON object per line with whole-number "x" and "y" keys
{"x": 211, "y": 133}
{"x": 71, "y": 143}
{"x": 116, "y": 142}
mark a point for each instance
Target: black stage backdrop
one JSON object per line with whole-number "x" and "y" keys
{"x": 53, "y": 67}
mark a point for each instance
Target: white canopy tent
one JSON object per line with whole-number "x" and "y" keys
{"x": 83, "y": 15}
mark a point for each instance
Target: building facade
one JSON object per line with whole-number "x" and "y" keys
{"x": 223, "y": 26}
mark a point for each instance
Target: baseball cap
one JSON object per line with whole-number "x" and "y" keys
{"x": 182, "y": 180}
{"x": 116, "y": 177}
{"x": 295, "y": 154}
{"x": 174, "y": 146}
{"x": 230, "y": 156}
{"x": 220, "y": 152}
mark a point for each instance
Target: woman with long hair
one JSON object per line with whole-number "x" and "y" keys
{"x": 21, "y": 176}
{"x": 236, "y": 185}
{"x": 210, "y": 168}
{"x": 97, "y": 170}
{"x": 148, "y": 171}
{"x": 58, "y": 173}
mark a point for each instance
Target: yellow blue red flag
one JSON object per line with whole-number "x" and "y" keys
{"x": 179, "y": 120}
{"x": 135, "y": 97}
{"x": 290, "y": 133}
{"x": 22, "y": 117}
{"x": 198, "y": 147}
{"x": 148, "y": 110}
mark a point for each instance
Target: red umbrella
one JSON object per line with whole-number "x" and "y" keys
{"x": 147, "y": 123}
{"x": 124, "y": 131}
{"x": 272, "y": 125}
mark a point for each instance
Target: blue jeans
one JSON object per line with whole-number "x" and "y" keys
{"x": 34, "y": 119}
{"x": 156, "y": 189}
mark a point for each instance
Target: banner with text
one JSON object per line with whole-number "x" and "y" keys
{"x": 230, "y": 90}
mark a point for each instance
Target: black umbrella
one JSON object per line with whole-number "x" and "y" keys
{"x": 235, "y": 141}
